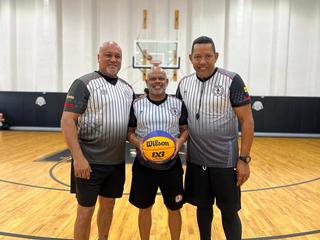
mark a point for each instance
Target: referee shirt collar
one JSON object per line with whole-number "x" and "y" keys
{"x": 158, "y": 102}
{"x": 111, "y": 80}
{"x": 206, "y": 79}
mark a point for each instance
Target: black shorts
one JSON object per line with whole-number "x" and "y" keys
{"x": 145, "y": 183}
{"x": 205, "y": 185}
{"x": 105, "y": 181}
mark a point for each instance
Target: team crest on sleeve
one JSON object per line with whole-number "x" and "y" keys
{"x": 70, "y": 101}
{"x": 174, "y": 111}
{"x": 218, "y": 90}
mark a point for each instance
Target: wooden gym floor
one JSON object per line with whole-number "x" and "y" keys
{"x": 281, "y": 200}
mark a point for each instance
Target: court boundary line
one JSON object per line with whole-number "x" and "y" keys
{"x": 25, "y": 236}
{"x": 244, "y": 190}
{"x": 292, "y": 235}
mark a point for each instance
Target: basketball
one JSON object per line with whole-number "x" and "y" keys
{"x": 158, "y": 147}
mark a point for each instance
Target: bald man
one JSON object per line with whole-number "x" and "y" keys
{"x": 94, "y": 124}
{"x": 157, "y": 111}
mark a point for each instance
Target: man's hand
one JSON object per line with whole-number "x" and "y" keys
{"x": 82, "y": 168}
{"x": 140, "y": 143}
{"x": 179, "y": 143}
{"x": 243, "y": 172}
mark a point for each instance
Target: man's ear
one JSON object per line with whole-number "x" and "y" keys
{"x": 216, "y": 55}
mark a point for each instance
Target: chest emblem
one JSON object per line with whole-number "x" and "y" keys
{"x": 174, "y": 111}
{"x": 218, "y": 90}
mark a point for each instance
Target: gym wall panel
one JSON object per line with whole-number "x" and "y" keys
{"x": 272, "y": 44}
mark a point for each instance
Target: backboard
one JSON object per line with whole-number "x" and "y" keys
{"x": 150, "y": 52}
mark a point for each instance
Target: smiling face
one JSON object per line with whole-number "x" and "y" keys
{"x": 203, "y": 59}
{"x": 157, "y": 83}
{"x": 109, "y": 59}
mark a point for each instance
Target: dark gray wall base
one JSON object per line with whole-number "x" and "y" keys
{"x": 285, "y": 115}
{"x": 20, "y": 108}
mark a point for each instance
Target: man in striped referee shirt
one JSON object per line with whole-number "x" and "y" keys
{"x": 157, "y": 111}
{"x": 94, "y": 123}
{"x": 216, "y": 99}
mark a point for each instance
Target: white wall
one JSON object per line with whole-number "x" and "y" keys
{"x": 272, "y": 44}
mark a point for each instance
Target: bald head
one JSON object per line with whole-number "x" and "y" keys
{"x": 109, "y": 58}
{"x": 109, "y": 44}
{"x": 156, "y": 70}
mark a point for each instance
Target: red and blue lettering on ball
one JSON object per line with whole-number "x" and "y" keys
{"x": 158, "y": 146}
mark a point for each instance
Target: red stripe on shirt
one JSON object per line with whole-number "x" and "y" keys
{"x": 69, "y": 105}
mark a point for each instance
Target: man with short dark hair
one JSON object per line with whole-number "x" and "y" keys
{"x": 215, "y": 99}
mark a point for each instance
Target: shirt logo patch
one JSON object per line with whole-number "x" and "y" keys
{"x": 218, "y": 90}
{"x": 174, "y": 111}
{"x": 245, "y": 89}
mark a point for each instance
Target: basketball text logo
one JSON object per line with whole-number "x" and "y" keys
{"x": 158, "y": 154}
{"x": 156, "y": 143}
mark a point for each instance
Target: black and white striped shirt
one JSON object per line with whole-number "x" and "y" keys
{"x": 104, "y": 104}
{"x": 147, "y": 116}
{"x": 212, "y": 122}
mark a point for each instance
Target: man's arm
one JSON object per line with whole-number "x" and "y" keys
{"x": 69, "y": 128}
{"x": 184, "y": 133}
{"x": 132, "y": 138}
{"x": 244, "y": 115}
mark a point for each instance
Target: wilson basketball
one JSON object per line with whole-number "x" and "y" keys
{"x": 158, "y": 146}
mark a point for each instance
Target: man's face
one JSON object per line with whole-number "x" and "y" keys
{"x": 203, "y": 59}
{"x": 109, "y": 59}
{"x": 157, "y": 82}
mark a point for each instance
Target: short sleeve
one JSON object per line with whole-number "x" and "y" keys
{"x": 77, "y": 98}
{"x": 183, "y": 120}
{"x": 132, "y": 119}
{"x": 178, "y": 93}
{"x": 239, "y": 95}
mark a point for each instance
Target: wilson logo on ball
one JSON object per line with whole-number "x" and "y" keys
{"x": 158, "y": 146}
